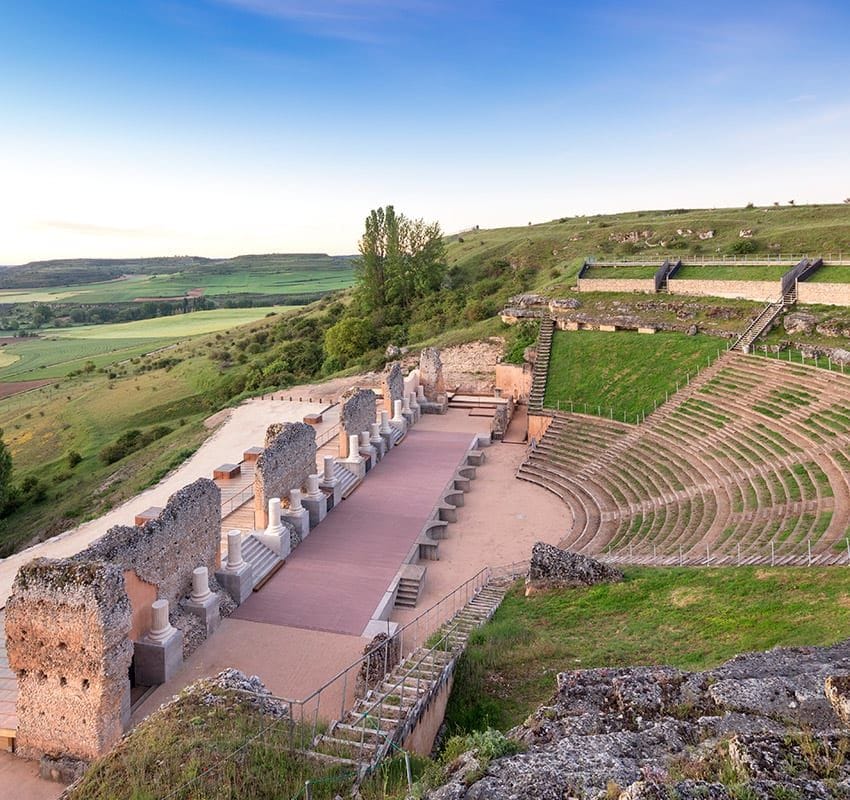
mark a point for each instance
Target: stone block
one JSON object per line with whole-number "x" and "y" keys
{"x": 227, "y": 471}
{"x": 206, "y": 610}
{"x": 300, "y": 519}
{"x": 157, "y": 662}
{"x": 148, "y": 514}
{"x": 238, "y": 583}
{"x": 317, "y": 508}
{"x": 252, "y": 453}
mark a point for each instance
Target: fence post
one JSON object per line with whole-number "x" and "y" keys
{"x": 739, "y": 554}
{"x": 681, "y": 562}
{"x": 809, "y": 548}
{"x": 308, "y": 792}
{"x": 848, "y": 549}
{"x": 772, "y": 555}
{"x": 407, "y": 771}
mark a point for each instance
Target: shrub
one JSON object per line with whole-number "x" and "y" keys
{"x": 743, "y": 247}
{"x": 73, "y": 458}
{"x": 131, "y": 441}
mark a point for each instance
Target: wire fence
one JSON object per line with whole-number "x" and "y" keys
{"x": 689, "y": 259}
{"x": 795, "y": 356}
{"x": 805, "y": 553}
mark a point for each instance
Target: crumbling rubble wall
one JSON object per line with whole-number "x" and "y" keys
{"x": 431, "y": 374}
{"x": 288, "y": 458}
{"x": 356, "y": 415}
{"x": 67, "y": 626}
{"x": 165, "y": 550}
{"x": 392, "y": 384}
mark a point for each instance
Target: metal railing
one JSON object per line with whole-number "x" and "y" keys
{"x": 325, "y": 436}
{"x": 239, "y": 499}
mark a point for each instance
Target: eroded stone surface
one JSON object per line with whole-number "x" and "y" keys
{"x": 288, "y": 457}
{"x": 67, "y": 626}
{"x": 392, "y": 385}
{"x": 628, "y": 733}
{"x": 552, "y": 567}
{"x": 357, "y": 414}
{"x": 431, "y": 374}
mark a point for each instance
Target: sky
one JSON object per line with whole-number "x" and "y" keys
{"x": 220, "y": 127}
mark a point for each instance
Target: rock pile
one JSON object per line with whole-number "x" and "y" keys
{"x": 553, "y": 568}
{"x": 759, "y": 726}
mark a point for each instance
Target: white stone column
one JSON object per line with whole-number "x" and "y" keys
{"x": 295, "y": 500}
{"x": 274, "y": 527}
{"x": 200, "y": 585}
{"x": 420, "y": 394}
{"x": 330, "y": 478}
{"x": 353, "y": 446}
{"x": 313, "y": 490}
{"x": 376, "y": 440}
{"x": 405, "y": 404}
{"x": 160, "y": 626}
{"x": 414, "y": 406}
{"x": 385, "y": 423}
{"x": 234, "y": 550}
{"x": 297, "y": 514}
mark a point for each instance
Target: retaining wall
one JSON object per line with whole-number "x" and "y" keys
{"x": 514, "y": 380}
{"x": 644, "y": 285}
{"x": 829, "y": 294}
{"x": 760, "y": 291}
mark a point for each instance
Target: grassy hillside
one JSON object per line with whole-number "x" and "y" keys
{"x": 688, "y": 618}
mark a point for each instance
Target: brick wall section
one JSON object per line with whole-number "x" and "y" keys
{"x": 356, "y": 415}
{"x": 67, "y": 626}
{"x": 831, "y": 294}
{"x": 645, "y": 285}
{"x": 165, "y": 550}
{"x": 288, "y": 458}
{"x": 760, "y": 291}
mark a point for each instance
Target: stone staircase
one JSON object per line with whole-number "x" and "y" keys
{"x": 346, "y": 479}
{"x": 262, "y": 559}
{"x": 410, "y": 586}
{"x": 389, "y": 711}
{"x": 764, "y": 320}
{"x": 541, "y": 365}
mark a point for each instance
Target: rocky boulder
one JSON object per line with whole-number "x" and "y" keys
{"x": 799, "y": 322}
{"x": 761, "y": 719}
{"x": 553, "y": 568}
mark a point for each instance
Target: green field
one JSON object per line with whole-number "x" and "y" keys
{"x": 625, "y": 371}
{"x": 59, "y": 351}
{"x": 688, "y": 618}
{"x": 711, "y": 272}
{"x": 135, "y": 287}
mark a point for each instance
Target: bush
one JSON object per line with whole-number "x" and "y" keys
{"x": 743, "y": 247}
{"x": 131, "y": 441}
{"x": 73, "y": 458}
{"x": 523, "y": 335}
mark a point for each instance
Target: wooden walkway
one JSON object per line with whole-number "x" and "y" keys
{"x": 334, "y": 580}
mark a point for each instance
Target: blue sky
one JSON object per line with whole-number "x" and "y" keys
{"x": 218, "y": 127}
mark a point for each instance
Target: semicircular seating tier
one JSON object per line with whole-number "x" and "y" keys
{"x": 752, "y": 458}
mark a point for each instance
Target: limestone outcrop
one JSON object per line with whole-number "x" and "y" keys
{"x": 649, "y": 733}
{"x": 553, "y": 568}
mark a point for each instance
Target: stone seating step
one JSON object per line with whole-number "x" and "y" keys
{"x": 347, "y": 480}
{"x": 262, "y": 559}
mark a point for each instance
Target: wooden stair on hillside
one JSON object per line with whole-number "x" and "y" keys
{"x": 541, "y": 365}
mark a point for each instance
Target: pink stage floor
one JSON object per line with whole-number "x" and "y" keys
{"x": 335, "y": 578}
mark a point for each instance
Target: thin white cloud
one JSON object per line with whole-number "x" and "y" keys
{"x": 354, "y": 20}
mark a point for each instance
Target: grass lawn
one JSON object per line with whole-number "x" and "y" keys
{"x": 756, "y": 272}
{"x": 827, "y": 274}
{"x": 693, "y": 619}
{"x": 623, "y": 370}
{"x": 639, "y": 272}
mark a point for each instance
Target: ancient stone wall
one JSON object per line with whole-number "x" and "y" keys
{"x": 356, "y": 415}
{"x": 514, "y": 380}
{"x": 288, "y": 458}
{"x": 67, "y": 626}
{"x": 431, "y": 374}
{"x": 761, "y": 291}
{"x": 832, "y": 294}
{"x": 645, "y": 285}
{"x": 165, "y": 550}
{"x": 392, "y": 384}
{"x": 502, "y": 416}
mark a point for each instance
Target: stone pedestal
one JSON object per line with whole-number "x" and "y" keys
{"x": 414, "y": 407}
{"x": 158, "y": 656}
{"x": 398, "y": 419}
{"x": 407, "y": 412}
{"x": 354, "y": 462}
{"x": 315, "y": 501}
{"x": 376, "y": 440}
{"x": 275, "y": 536}
{"x": 330, "y": 482}
{"x": 386, "y": 430}
{"x": 237, "y": 576}
{"x": 202, "y": 603}
{"x": 297, "y": 514}
{"x": 366, "y": 450}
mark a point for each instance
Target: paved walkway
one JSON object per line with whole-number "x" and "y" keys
{"x": 245, "y": 427}
{"x": 335, "y": 579}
